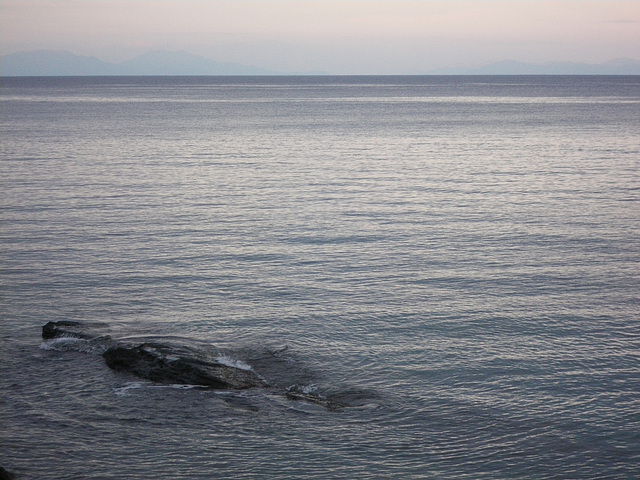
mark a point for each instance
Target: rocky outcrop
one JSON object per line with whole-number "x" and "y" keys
{"x": 66, "y": 328}
{"x": 177, "y": 363}
{"x": 158, "y": 362}
{"x": 5, "y": 475}
{"x": 72, "y": 329}
{"x": 164, "y": 364}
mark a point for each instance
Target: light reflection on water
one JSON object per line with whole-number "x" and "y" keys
{"x": 467, "y": 266}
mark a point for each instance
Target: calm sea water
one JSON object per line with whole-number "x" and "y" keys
{"x": 460, "y": 253}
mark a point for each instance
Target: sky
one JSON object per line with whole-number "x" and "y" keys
{"x": 332, "y": 36}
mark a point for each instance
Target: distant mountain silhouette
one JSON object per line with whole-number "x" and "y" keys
{"x": 183, "y": 63}
{"x": 51, "y": 62}
{"x": 620, "y": 66}
{"x": 63, "y": 63}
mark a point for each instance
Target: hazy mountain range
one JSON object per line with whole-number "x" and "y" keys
{"x": 619, "y": 66}
{"x": 61, "y": 63}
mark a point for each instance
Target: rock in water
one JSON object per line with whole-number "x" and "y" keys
{"x": 5, "y": 475}
{"x": 177, "y": 364}
{"x": 72, "y": 329}
{"x": 64, "y": 328}
{"x": 314, "y": 398}
{"x": 164, "y": 364}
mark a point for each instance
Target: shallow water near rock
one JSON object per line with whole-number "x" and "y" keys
{"x": 454, "y": 257}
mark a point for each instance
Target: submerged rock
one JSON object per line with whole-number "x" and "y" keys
{"x": 299, "y": 395}
{"x": 177, "y": 364}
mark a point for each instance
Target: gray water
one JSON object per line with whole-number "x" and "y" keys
{"x": 459, "y": 253}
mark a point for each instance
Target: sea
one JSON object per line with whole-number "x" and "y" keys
{"x": 456, "y": 257}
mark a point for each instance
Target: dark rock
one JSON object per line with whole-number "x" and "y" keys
{"x": 164, "y": 364}
{"x": 5, "y": 475}
{"x": 72, "y": 329}
{"x": 314, "y": 398}
{"x": 63, "y": 329}
{"x": 183, "y": 364}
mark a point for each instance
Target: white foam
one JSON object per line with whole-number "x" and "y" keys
{"x": 61, "y": 343}
{"x": 178, "y": 386}
{"x": 66, "y": 344}
{"x": 124, "y": 390}
{"x": 310, "y": 389}
{"x": 231, "y": 362}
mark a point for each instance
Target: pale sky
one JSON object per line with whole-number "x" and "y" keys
{"x": 335, "y": 36}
